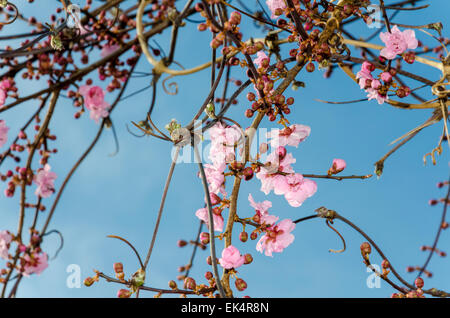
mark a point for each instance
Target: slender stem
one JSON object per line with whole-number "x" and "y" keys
{"x": 161, "y": 206}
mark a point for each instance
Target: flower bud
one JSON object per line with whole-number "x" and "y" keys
{"x": 366, "y": 248}
{"x": 247, "y": 173}
{"x": 204, "y": 238}
{"x": 173, "y": 284}
{"x": 243, "y": 237}
{"x": 123, "y": 293}
{"x": 253, "y": 236}
{"x": 241, "y": 285}
{"x": 181, "y": 243}
{"x": 419, "y": 282}
{"x": 118, "y": 267}
{"x": 88, "y": 282}
{"x": 189, "y": 283}
{"x": 248, "y": 259}
{"x": 209, "y": 275}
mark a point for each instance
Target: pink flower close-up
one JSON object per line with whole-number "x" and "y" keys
{"x": 3, "y": 133}
{"x": 202, "y": 214}
{"x": 289, "y": 136}
{"x": 337, "y": 166}
{"x": 94, "y": 100}
{"x": 277, "y": 238}
{"x": 35, "y": 264}
{"x": 45, "y": 181}
{"x": 5, "y": 240}
{"x": 231, "y": 258}
{"x": 296, "y": 189}
{"x": 274, "y": 5}
{"x": 397, "y": 42}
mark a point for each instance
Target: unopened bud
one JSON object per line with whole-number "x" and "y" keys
{"x": 123, "y": 293}
{"x": 241, "y": 285}
{"x": 204, "y": 238}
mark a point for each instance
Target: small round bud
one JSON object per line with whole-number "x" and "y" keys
{"x": 241, "y": 285}
{"x": 310, "y": 67}
{"x": 243, "y": 237}
{"x": 204, "y": 238}
{"x": 209, "y": 275}
{"x": 123, "y": 293}
{"x": 181, "y": 243}
{"x": 118, "y": 268}
{"x": 419, "y": 282}
{"x": 189, "y": 283}
{"x": 248, "y": 258}
{"x": 247, "y": 173}
{"x": 365, "y": 248}
{"x": 88, "y": 282}
{"x": 173, "y": 284}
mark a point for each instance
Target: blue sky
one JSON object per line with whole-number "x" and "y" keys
{"x": 120, "y": 194}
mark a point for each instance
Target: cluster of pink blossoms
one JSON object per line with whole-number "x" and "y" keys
{"x": 3, "y": 133}
{"x": 396, "y": 43}
{"x": 371, "y": 85}
{"x": 277, "y": 173}
{"x": 223, "y": 141}
{"x": 94, "y": 100}
{"x": 34, "y": 262}
{"x": 45, "y": 181}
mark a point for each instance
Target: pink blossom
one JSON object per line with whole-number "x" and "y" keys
{"x": 231, "y": 258}
{"x": 223, "y": 140}
{"x": 269, "y": 176}
{"x": 5, "y": 240}
{"x": 3, "y": 133}
{"x": 94, "y": 100}
{"x": 35, "y": 264}
{"x": 337, "y": 166}
{"x": 277, "y": 238}
{"x": 291, "y": 136}
{"x": 45, "y": 181}
{"x": 274, "y": 5}
{"x": 202, "y": 214}
{"x": 215, "y": 178}
{"x": 261, "y": 209}
{"x": 108, "y": 49}
{"x": 260, "y": 56}
{"x": 397, "y": 42}
{"x": 296, "y": 189}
